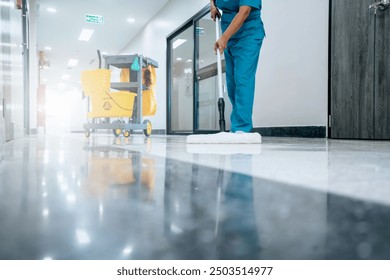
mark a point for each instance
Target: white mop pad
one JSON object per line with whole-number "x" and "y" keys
{"x": 225, "y": 138}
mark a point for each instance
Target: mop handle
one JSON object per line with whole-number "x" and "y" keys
{"x": 219, "y": 63}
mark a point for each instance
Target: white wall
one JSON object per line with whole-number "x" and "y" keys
{"x": 292, "y": 76}
{"x": 13, "y": 90}
{"x": 151, "y": 42}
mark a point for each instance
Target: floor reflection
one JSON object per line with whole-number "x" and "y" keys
{"x": 357, "y": 229}
{"x": 237, "y": 236}
{"x": 116, "y": 169}
{"x": 209, "y": 213}
{"x": 74, "y": 200}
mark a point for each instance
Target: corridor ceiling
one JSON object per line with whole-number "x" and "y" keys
{"x": 59, "y": 24}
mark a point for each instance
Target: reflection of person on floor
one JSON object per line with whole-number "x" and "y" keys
{"x": 237, "y": 236}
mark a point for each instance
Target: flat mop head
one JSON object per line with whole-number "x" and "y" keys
{"x": 225, "y": 138}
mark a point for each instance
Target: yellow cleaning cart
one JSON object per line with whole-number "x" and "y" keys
{"x": 118, "y": 106}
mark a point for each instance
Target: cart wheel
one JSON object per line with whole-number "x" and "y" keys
{"x": 117, "y": 131}
{"x": 148, "y": 129}
{"x": 87, "y": 133}
{"x": 126, "y": 133}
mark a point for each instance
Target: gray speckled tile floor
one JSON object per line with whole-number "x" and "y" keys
{"x": 67, "y": 197}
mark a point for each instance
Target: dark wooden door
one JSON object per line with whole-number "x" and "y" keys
{"x": 352, "y": 72}
{"x": 382, "y": 75}
{"x": 359, "y": 73}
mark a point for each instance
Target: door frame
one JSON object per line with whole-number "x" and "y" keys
{"x": 191, "y": 22}
{"x": 329, "y": 130}
{"x": 26, "y": 64}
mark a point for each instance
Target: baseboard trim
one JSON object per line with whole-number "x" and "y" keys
{"x": 154, "y": 132}
{"x": 288, "y": 131}
{"x": 293, "y": 131}
{"x": 159, "y": 132}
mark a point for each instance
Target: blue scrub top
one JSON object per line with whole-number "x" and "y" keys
{"x": 253, "y": 25}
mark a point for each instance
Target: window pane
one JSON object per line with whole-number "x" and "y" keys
{"x": 182, "y": 95}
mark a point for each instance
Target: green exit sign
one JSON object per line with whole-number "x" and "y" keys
{"x": 94, "y": 19}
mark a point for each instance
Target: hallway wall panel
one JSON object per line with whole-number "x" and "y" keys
{"x": 292, "y": 75}
{"x": 11, "y": 64}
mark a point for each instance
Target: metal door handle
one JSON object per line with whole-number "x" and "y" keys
{"x": 381, "y": 5}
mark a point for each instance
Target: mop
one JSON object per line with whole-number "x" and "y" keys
{"x": 223, "y": 137}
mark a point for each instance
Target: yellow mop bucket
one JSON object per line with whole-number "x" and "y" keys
{"x": 106, "y": 104}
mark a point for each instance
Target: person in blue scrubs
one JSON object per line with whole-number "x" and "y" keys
{"x": 241, "y": 41}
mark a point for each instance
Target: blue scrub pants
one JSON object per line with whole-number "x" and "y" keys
{"x": 241, "y": 58}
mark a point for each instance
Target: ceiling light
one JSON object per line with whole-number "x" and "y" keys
{"x": 61, "y": 86}
{"x": 9, "y": 45}
{"x": 60, "y": 178}
{"x": 51, "y": 10}
{"x": 72, "y": 62}
{"x": 6, "y": 4}
{"x": 65, "y": 77}
{"x": 45, "y": 212}
{"x": 64, "y": 187}
{"x": 127, "y": 251}
{"x": 179, "y": 59}
{"x": 130, "y": 20}
{"x": 82, "y": 236}
{"x": 71, "y": 198}
{"x": 175, "y": 229}
{"x": 178, "y": 43}
{"x": 101, "y": 210}
{"x": 46, "y": 160}
{"x": 85, "y": 35}
{"x": 48, "y": 48}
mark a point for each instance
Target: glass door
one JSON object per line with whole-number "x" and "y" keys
{"x": 181, "y": 107}
{"x": 206, "y": 97}
{"x": 192, "y": 78}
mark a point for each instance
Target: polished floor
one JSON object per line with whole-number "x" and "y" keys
{"x": 67, "y": 197}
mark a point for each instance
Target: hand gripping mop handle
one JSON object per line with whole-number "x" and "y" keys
{"x": 221, "y": 101}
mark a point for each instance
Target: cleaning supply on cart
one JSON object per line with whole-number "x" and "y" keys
{"x": 238, "y": 137}
{"x": 114, "y": 101}
{"x": 135, "y": 65}
{"x": 149, "y": 101}
{"x": 104, "y": 102}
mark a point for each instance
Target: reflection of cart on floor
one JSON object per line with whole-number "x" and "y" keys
{"x": 120, "y": 106}
{"x": 119, "y": 171}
